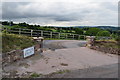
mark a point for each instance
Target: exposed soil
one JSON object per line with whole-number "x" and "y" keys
{"x": 107, "y": 47}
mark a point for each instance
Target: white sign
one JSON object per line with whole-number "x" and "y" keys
{"x": 28, "y": 51}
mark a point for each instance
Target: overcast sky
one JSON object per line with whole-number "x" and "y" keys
{"x": 62, "y": 12}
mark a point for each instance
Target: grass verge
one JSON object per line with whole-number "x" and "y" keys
{"x": 14, "y": 42}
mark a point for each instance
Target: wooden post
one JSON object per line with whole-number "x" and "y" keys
{"x": 41, "y": 33}
{"x": 19, "y": 30}
{"x": 73, "y": 36}
{"x": 59, "y": 35}
{"x": 66, "y": 36}
{"x": 50, "y": 34}
{"x": 78, "y": 37}
{"x": 70, "y": 36}
{"x": 31, "y": 32}
{"x": 84, "y": 37}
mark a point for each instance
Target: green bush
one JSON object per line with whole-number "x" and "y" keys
{"x": 103, "y": 33}
{"x": 78, "y": 31}
{"x": 117, "y": 38}
{"x": 113, "y": 36}
{"x": 92, "y": 31}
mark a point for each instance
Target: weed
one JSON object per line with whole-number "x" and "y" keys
{"x": 34, "y": 75}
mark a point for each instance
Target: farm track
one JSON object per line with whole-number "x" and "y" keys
{"x": 81, "y": 61}
{"x": 104, "y": 71}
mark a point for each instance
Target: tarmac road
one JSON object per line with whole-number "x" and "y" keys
{"x": 105, "y": 71}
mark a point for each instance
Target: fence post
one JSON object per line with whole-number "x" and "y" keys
{"x": 84, "y": 37}
{"x": 73, "y": 36}
{"x": 41, "y": 33}
{"x": 59, "y": 35}
{"x": 78, "y": 37}
{"x": 19, "y": 31}
{"x": 50, "y": 34}
{"x": 31, "y": 32}
{"x": 66, "y": 36}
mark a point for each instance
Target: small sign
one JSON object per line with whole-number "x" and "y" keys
{"x": 28, "y": 51}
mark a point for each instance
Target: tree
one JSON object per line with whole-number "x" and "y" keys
{"x": 92, "y": 31}
{"x": 5, "y": 23}
{"x": 85, "y": 28}
{"x": 78, "y": 31}
{"x": 104, "y": 33}
{"x": 23, "y": 24}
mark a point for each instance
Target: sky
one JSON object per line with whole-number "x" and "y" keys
{"x": 62, "y": 12}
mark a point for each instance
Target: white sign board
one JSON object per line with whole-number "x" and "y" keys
{"x": 28, "y": 51}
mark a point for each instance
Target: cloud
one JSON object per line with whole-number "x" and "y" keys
{"x": 61, "y": 13}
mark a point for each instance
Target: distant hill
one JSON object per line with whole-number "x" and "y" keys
{"x": 102, "y": 27}
{"x": 109, "y": 27}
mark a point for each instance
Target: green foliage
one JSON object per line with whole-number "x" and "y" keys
{"x": 82, "y": 30}
{"x": 78, "y": 31}
{"x": 117, "y": 39}
{"x": 34, "y": 75}
{"x": 13, "y": 42}
{"x": 4, "y": 31}
{"x": 92, "y": 31}
{"x": 82, "y": 37}
{"x": 103, "y": 33}
{"x": 113, "y": 35}
{"x": 85, "y": 28}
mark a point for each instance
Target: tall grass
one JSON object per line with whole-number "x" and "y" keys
{"x": 14, "y": 41}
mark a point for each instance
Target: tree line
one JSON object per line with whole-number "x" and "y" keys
{"x": 90, "y": 31}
